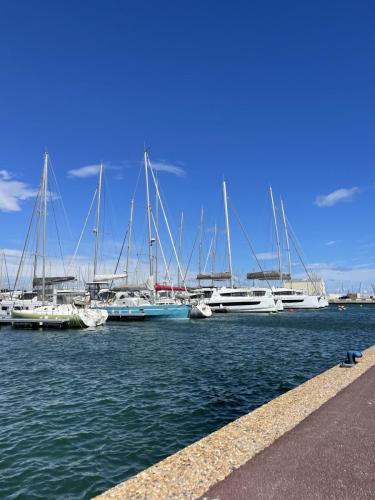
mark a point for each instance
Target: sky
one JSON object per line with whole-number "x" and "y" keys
{"x": 256, "y": 93}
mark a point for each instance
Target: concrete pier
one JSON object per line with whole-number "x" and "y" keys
{"x": 315, "y": 441}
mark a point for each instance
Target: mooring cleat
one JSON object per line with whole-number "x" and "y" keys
{"x": 351, "y": 359}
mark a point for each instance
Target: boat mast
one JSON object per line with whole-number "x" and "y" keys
{"x": 130, "y": 234}
{"x": 214, "y": 246}
{"x": 277, "y": 233}
{"x": 286, "y": 239}
{"x": 45, "y": 183}
{"x": 200, "y": 243}
{"x": 180, "y": 245}
{"x": 97, "y": 224}
{"x": 148, "y": 208}
{"x": 156, "y": 229}
{"x": 39, "y": 214}
{"x": 227, "y": 232}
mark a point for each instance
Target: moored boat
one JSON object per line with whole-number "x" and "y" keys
{"x": 77, "y": 318}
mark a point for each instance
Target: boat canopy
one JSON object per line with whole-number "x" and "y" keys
{"x": 109, "y": 277}
{"x": 52, "y": 280}
{"x": 214, "y": 276}
{"x": 169, "y": 288}
{"x": 268, "y": 275}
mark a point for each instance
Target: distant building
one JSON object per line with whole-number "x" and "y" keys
{"x": 316, "y": 286}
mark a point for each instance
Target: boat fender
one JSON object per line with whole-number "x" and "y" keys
{"x": 351, "y": 359}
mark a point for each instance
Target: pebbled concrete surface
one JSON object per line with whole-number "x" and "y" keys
{"x": 191, "y": 472}
{"x": 329, "y": 455}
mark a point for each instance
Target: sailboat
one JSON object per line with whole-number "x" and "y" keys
{"x": 290, "y": 296}
{"x": 230, "y": 298}
{"x": 76, "y": 317}
{"x": 129, "y": 301}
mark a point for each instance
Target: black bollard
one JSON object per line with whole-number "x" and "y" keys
{"x": 351, "y": 359}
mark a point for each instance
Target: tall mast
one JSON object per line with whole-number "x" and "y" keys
{"x": 45, "y": 184}
{"x": 227, "y": 231}
{"x": 214, "y": 245}
{"x": 39, "y": 215}
{"x": 156, "y": 228}
{"x": 286, "y": 239}
{"x": 276, "y": 232}
{"x": 180, "y": 245}
{"x": 148, "y": 208}
{"x": 97, "y": 224}
{"x": 200, "y": 242}
{"x": 130, "y": 234}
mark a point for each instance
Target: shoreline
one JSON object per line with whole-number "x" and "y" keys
{"x": 192, "y": 471}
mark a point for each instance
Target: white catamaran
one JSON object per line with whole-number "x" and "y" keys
{"x": 232, "y": 299}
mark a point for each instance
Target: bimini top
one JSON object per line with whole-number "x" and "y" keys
{"x": 52, "y": 280}
{"x": 214, "y": 276}
{"x": 268, "y": 275}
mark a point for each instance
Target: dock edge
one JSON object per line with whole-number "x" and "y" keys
{"x": 189, "y": 473}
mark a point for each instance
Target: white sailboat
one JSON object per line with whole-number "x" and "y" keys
{"x": 77, "y": 317}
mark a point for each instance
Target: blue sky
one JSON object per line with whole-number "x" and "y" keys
{"x": 257, "y": 92}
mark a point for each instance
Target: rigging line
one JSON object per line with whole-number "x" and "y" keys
{"x": 25, "y": 245}
{"x": 208, "y": 254}
{"x": 6, "y": 270}
{"x": 112, "y": 215}
{"x": 60, "y": 197}
{"x": 301, "y": 259}
{"x": 83, "y": 230}
{"x": 249, "y": 242}
{"x": 138, "y": 178}
{"x": 58, "y": 233}
{"x": 191, "y": 254}
{"x": 118, "y": 261}
{"x": 161, "y": 248}
{"x": 166, "y": 220}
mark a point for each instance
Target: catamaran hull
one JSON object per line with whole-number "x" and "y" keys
{"x": 167, "y": 311}
{"x": 262, "y": 306}
{"x": 308, "y": 302}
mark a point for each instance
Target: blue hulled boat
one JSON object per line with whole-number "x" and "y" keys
{"x": 149, "y": 311}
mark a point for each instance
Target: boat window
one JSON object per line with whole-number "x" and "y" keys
{"x": 234, "y": 294}
{"x": 259, "y": 293}
{"x": 4, "y": 308}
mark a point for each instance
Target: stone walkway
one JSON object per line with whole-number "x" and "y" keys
{"x": 329, "y": 455}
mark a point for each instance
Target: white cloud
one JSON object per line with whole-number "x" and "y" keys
{"x": 82, "y": 172}
{"x": 335, "y": 197}
{"x": 5, "y": 175}
{"x": 329, "y": 243}
{"x": 12, "y": 192}
{"x": 168, "y": 167}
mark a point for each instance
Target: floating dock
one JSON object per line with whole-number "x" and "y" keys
{"x": 35, "y": 324}
{"x": 315, "y": 441}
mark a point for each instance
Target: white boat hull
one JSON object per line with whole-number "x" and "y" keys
{"x": 200, "y": 311}
{"x": 78, "y": 318}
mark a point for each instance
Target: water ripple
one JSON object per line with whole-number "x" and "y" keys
{"x": 82, "y": 411}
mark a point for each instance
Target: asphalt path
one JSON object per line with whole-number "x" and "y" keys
{"x": 329, "y": 455}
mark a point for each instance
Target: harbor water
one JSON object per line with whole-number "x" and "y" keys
{"x": 81, "y": 411}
